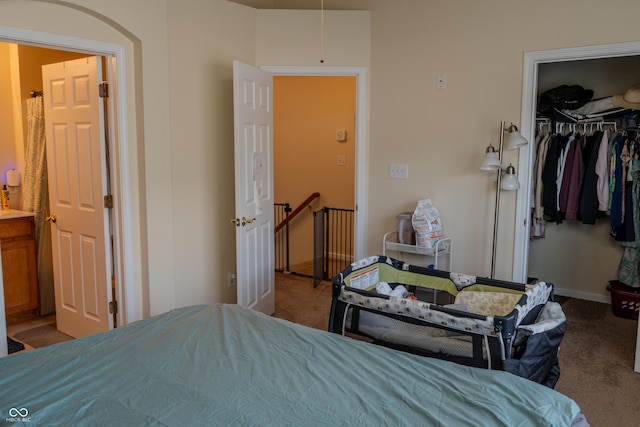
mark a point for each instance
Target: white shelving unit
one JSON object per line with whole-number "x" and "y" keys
{"x": 444, "y": 247}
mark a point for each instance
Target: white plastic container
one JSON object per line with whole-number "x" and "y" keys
{"x": 406, "y": 234}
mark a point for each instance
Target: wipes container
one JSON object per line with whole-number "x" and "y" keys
{"x": 406, "y": 234}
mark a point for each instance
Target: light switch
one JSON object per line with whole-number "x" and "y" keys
{"x": 341, "y": 135}
{"x": 399, "y": 171}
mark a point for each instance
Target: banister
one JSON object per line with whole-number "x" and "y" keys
{"x": 297, "y": 210}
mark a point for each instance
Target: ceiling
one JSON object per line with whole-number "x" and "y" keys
{"x": 299, "y": 4}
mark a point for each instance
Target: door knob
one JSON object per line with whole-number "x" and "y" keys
{"x": 51, "y": 218}
{"x": 244, "y": 221}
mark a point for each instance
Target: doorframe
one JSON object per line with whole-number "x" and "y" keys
{"x": 123, "y": 230}
{"x": 360, "y": 73}
{"x": 528, "y": 128}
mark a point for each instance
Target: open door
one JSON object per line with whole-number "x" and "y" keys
{"x": 75, "y": 140}
{"x": 253, "y": 148}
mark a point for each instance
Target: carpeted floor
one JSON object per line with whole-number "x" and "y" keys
{"x": 596, "y": 356}
{"x": 299, "y": 302}
{"x": 596, "y": 364}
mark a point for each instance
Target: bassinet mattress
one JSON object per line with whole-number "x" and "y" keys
{"x": 402, "y": 333}
{"x": 226, "y": 365}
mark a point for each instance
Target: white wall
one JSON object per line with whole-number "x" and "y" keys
{"x": 442, "y": 133}
{"x": 204, "y": 39}
{"x": 293, "y": 37}
{"x": 179, "y": 56}
{"x": 180, "y": 239}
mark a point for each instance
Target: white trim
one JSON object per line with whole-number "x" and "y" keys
{"x": 528, "y": 128}
{"x": 527, "y": 156}
{"x": 582, "y": 295}
{"x": 59, "y": 42}
{"x": 125, "y": 292}
{"x": 361, "y": 125}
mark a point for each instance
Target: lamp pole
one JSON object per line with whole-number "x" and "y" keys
{"x": 497, "y": 209}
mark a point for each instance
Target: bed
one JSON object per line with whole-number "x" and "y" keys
{"x": 470, "y": 320}
{"x": 228, "y": 365}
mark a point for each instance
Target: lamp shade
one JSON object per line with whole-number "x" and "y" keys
{"x": 514, "y": 140}
{"x": 13, "y": 179}
{"x": 491, "y": 161}
{"x": 509, "y": 181}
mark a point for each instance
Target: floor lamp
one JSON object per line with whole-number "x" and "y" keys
{"x": 493, "y": 162}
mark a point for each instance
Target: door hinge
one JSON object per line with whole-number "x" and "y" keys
{"x": 113, "y": 307}
{"x": 103, "y": 90}
{"x": 108, "y": 201}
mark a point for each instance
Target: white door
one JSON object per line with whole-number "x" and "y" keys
{"x": 77, "y": 183}
{"x": 253, "y": 146}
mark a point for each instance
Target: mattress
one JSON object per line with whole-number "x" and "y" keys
{"x": 424, "y": 337}
{"x": 226, "y": 365}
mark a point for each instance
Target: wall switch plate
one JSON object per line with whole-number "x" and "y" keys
{"x": 399, "y": 171}
{"x": 441, "y": 81}
{"x": 341, "y": 135}
{"x": 231, "y": 279}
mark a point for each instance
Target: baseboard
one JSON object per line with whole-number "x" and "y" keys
{"x": 341, "y": 257}
{"x": 582, "y": 295}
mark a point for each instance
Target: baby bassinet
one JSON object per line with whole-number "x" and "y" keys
{"x": 470, "y": 320}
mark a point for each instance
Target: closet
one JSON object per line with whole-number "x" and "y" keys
{"x": 581, "y": 258}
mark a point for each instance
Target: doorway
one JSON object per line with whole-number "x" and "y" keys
{"x": 24, "y": 82}
{"x": 117, "y": 124}
{"x": 532, "y": 63}
{"x": 360, "y": 137}
{"x": 314, "y": 159}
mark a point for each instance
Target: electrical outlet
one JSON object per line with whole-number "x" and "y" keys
{"x": 399, "y": 171}
{"x": 342, "y": 160}
{"x": 231, "y": 279}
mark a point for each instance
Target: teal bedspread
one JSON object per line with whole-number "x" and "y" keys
{"x": 229, "y": 366}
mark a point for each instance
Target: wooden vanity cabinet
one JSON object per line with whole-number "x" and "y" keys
{"x": 19, "y": 266}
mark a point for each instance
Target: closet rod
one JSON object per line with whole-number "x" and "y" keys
{"x": 573, "y": 127}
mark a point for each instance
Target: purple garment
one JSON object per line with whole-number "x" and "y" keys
{"x": 569, "y": 164}
{"x": 575, "y": 180}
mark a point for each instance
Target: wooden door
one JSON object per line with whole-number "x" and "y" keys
{"x": 77, "y": 183}
{"x": 253, "y": 147}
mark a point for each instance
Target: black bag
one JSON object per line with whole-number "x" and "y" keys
{"x": 563, "y": 97}
{"x": 535, "y": 355}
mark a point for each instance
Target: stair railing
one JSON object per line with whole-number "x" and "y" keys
{"x": 283, "y": 216}
{"x": 297, "y": 210}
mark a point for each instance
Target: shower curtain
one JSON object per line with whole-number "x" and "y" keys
{"x": 35, "y": 197}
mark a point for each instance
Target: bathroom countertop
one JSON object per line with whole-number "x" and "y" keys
{"x": 14, "y": 213}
